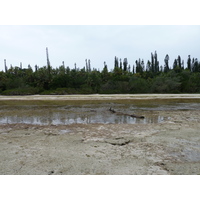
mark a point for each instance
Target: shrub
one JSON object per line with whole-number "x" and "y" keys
{"x": 21, "y": 91}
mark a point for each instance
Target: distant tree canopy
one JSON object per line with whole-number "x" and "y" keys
{"x": 140, "y": 78}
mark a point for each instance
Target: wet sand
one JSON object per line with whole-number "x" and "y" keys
{"x": 171, "y": 146}
{"x": 102, "y": 97}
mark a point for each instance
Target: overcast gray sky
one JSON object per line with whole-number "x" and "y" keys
{"x": 74, "y": 44}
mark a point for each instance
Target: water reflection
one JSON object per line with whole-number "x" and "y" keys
{"x": 89, "y": 113}
{"x": 59, "y": 118}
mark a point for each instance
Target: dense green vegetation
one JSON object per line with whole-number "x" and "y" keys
{"x": 123, "y": 78}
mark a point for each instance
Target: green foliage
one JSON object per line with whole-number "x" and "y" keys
{"x": 151, "y": 78}
{"x": 21, "y": 91}
{"x": 110, "y": 87}
{"x": 164, "y": 84}
{"x": 138, "y": 85}
{"x": 193, "y": 83}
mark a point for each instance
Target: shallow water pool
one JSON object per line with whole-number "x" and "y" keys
{"x": 90, "y": 113}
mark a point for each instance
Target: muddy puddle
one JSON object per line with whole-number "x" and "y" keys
{"x": 90, "y": 113}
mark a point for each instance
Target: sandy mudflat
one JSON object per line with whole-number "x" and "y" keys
{"x": 168, "y": 147}
{"x": 101, "y": 97}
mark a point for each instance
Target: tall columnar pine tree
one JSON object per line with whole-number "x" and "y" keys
{"x": 89, "y": 65}
{"x": 6, "y": 69}
{"x": 139, "y": 66}
{"x": 48, "y": 63}
{"x": 179, "y": 61}
{"x": 156, "y": 62}
{"x": 166, "y": 65}
{"x": 133, "y": 71}
{"x": 148, "y": 66}
{"x": 129, "y": 68}
{"x": 63, "y": 64}
{"x": 116, "y": 62}
{"x": 36, "y": 68}
{"x": 86, "y": 65}
{"x": 120, "y": 63}
{"x": 189, "y": 63}
{"x": 152, "y": 63}
{"x": 125, "y": 64}
{"x": 182, "y": 64}
{"x": 142, "y": 66}
{"x": 195, "y": 65}
{"x": 177, "y": 65}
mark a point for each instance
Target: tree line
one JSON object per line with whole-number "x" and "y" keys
{"x": 122, "y": 78}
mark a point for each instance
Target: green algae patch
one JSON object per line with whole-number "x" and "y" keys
{"x": 61, "y": 100}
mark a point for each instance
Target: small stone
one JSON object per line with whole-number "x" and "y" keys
{"x": 51, "y": 172}
{"x": 117, "y": 141}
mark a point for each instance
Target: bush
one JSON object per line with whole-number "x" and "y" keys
{"x": 162, "y": 84}
{"x": 138, "y": 85}
{"x": 58, "y": 91}
{"x": 21, "y": 91}
{"x": 110, "y": 87}
{"x": 85, "y": 89}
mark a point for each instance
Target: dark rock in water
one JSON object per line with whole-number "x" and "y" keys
{"x": 117, "y": 141}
